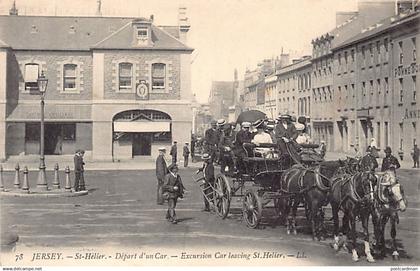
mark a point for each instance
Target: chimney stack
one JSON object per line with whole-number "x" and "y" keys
{"x": 98, "y": 6}
{"x": 14, "y": 11}
{"x": 183, "y": 23}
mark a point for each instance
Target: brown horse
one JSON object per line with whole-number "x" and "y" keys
{"x": 389, "y": 199}
{"x": 308, "y": 185}
{"x": 354, "y": 195}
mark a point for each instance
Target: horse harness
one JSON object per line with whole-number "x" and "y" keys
{"x": 301, "y": 174}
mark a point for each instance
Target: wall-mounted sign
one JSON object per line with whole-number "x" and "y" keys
{"x": 142, "y": 90}
{"x": 406, "y": 71}
{"x": 412, "y": 114}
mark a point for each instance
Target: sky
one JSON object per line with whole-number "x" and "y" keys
{"x": 226, "y": 34}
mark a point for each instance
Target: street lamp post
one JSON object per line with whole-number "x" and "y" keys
{"x": 42, "y": 181}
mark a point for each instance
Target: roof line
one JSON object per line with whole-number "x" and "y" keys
{"x": 108, "y": 37}
{"x": 394, "y": 24}
{"x": 68, "y": 16}
{"x": 172, "y": 36}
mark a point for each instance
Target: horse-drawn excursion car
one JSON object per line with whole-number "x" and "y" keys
{"x": 265, "y": 176}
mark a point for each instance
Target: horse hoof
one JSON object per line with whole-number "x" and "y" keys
{"x": 294, "y": 232}
{"x": 370, "y": 259}
{"x": 355, "y": 259}
{"x": 288, "y": 232}
{"x": 335, "y": 246}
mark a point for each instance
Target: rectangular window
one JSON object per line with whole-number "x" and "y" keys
{"x": 386, "y": 47}
{"x": 347, "y": 91}
{"x": 363, "y": 88}
{"x": 32, "y": 131}
{"x": 69, "y": 77}
{"x": 378, "y": 134}
{"x": 414, "y": 88}
{"x": 142, "y": 33}
{"x": 352, "y": 55}
{"x": 363, "y": 57}
{"x": 371, "y": 87}
{"x": 386, "y": 138}
{"x": 414, "y": 49}
{"x": 414, "y": 133}
{"x": 125, "y": 76}
{"x": 371, "y": 53}
{"x": 31, "y": 76}
{"x": 378, "y": 52}
{"x": 69, "y": 131}
{"x": 158, "y": 75}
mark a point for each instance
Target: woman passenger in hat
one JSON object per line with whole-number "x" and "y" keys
{"x": 174, "y": 189}
{"x": 261, "y": 137}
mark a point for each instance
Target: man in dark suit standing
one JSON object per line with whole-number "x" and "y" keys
{"x": 285, "y": 132}
{"x": 211, "y": 140}
{"x": 79, "y": 182}
{"x": 174, "y": 152}
{"x": 186, "y": 154}
{"x": 390, "y": 162}
{"x": 161, "y": 171}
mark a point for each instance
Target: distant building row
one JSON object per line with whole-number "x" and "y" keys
{"x": 360, "y": 82}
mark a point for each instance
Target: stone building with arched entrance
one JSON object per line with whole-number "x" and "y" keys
{"x": 118, "y": 87}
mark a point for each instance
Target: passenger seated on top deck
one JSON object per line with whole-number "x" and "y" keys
{"x": 262, "y": 137}
{"x": 302, "y": 138}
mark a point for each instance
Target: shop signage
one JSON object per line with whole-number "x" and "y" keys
{"x": 406, "y": 71}
{"x": 412, "y": 114}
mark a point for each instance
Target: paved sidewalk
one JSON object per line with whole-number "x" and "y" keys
{"x": 66, "y": 160}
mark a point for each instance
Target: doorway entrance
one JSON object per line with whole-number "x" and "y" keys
{"x": 142, "y": 144}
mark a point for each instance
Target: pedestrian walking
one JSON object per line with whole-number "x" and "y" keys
{"x": 415, "y": 155}
{"x": 174, "y": 152}
{"x": 389, "y": 162}
{"x": 186, "y": 154}
{"x": 193, "y": 140}
{"x": 79, "y": 182}
{"x": 208, "y": 171}
{"x": 173, "y": 189}
{"x": 161, "y": 171}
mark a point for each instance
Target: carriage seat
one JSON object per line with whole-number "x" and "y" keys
{"x": 309, "y": 146}
{"x": 263, "y": 150}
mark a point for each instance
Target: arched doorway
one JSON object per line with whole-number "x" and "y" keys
{"x": 136, "y": 132}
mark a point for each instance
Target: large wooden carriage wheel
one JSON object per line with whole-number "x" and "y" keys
{"x": 222, "y": 196}
{"x": 252, "y": 209}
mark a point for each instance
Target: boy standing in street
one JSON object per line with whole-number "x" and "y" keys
{"x": 208, "y": 171}
{"x": 174, "y": 189}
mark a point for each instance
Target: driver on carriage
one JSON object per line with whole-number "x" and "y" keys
{"x": 261, "y": 137}
{"x": 286, "y": 134}
{"x": 368, "y": 162}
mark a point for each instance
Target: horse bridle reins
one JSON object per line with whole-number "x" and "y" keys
{"x": 381, "y": 202}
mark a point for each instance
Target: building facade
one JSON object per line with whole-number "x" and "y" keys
{"x": 294, "y": 88}
{"x": 117, "y": 87}
{"x": 376, "y": 83}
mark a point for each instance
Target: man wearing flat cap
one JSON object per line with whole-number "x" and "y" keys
{"x": 389, "y": 162}
{"x": 161, "y": 171}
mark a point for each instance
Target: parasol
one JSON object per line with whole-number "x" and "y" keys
{"x": 250, "y": 116}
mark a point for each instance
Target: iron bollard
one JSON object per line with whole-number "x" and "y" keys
{"x": 25, "y": 185}
{"x": 16, "y": 183}
{"x": 1, "y": 179}
{"x": 68, "y": 182}
{"x": 56, "y": 182}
